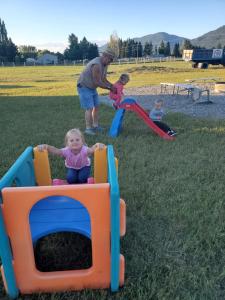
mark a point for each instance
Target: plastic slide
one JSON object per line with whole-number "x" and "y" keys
{"x": 131, "y": 104}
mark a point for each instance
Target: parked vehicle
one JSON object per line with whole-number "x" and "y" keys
{"x": 201, "y": 58}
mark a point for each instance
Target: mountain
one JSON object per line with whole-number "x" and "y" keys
{"x": 208, "y": 40}
{"x": 157, "y": 38}
{"x": 211, "y": 39}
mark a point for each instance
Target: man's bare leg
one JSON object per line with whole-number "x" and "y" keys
{"x": 95, "y": 116}
{"x": 88, "y": 118}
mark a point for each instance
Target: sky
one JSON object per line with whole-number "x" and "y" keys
{"x": 47, "y": 24}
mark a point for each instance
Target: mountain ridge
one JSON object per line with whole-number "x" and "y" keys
{"x": 210, "y": 39}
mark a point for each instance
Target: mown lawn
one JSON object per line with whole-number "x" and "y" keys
{"x": 175, "y": 191}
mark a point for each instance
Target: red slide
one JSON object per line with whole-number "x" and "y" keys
{"x": 144, "y": 116}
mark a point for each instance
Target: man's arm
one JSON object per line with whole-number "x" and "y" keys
{"x": 96, "y": 73}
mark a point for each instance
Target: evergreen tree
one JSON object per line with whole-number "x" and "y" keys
{"x": 3, "y": 32}
{"x": 176, "y": 50}
{"x": 130, "y": 49}
{"x": 84, "y": 46}
{"x": 161, "y": 49}
{"x": 11, "y": 50}
{"x": 60, "y": 57}
{"x": 148, "y": 49}
{"x": 80, "y": 51}
{"x": 73, "y": 52}
{"x": 167, "y": 51}
{"x": 126, "y": 49}
{"x": 187, "y": 45}
{"x": 140, "y": 50}
{"x": 92, "y": 51}
{"x": 8, "y": 50}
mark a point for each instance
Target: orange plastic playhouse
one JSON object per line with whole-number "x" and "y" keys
{"x": 35, "y": 208}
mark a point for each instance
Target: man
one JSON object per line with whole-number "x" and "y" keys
{"x": 92, "y": 77}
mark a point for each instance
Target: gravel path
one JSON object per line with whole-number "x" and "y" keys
{"x": 146, "y": 96}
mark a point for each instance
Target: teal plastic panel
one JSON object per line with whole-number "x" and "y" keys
{"x": 115, "y": 219}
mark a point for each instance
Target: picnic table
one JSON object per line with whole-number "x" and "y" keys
{"x": 176, "y": 88}
{"x": 192, "y": 90}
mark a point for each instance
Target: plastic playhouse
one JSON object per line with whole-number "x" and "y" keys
{"x": 132, "y": 105}
{"x": 33, "y": 208}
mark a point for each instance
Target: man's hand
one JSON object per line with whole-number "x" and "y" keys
{"x": 113, "y": 89}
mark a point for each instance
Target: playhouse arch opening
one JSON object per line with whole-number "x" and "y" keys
{"x": 61, "y": 234}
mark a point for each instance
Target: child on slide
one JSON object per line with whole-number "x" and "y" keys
{"x": 119, "y": 85}
{"x": 156, "y": 115}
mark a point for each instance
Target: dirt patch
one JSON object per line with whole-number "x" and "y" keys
{"x": 147, "y": 95}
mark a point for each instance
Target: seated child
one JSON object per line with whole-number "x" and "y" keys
{"x": 76, "y": 154}
{"x": 117, "y": 97}
{"x": 156, "y": 114}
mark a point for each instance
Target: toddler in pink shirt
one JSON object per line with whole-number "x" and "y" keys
{"x": 76, "y": 155}
{"x": 119, "y": 85}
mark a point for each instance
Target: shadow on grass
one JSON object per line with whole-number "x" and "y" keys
{"x": 47, "y": 80}
{"x": 15, "y": 86}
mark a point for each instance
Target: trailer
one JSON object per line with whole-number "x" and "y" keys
{"x": 201, "y": 58}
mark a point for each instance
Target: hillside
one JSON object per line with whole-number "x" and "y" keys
{"x": 208, "y": 40}
{"x": 211, "y": 39}
{"x": 157, "y": 38}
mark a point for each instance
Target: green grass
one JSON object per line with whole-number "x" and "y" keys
{"x": 175, "y": 241}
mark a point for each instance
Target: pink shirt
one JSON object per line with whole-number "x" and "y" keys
{"x": 119, "y": 93}
{"x": 76, "y": 161}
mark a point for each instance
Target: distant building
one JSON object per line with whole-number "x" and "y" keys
{"x": 30, "y": 61}
{"x": 47, "y": 59}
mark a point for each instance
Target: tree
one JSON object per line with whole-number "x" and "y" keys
{"x": 60, "y": 57}
{"x": 92, "y": 51}
{"x": 3, "y": 32}
{"x": 11, "y": 50}
{"x": 139, "y": 50}
{"x": 27, "y": 51}
{"x": 167, "y": 51}
{"x": 80, "y": 51}
{"x": 84, "y": 46}
{"x": 148, "y": 48}
{"x": 187, "y": 44}
{"x": 176, "y": 50}
{"x": 114, "y": 43}
{"x": 161, "y": 49}
{"x": 73, "y": 51}
{"x": 120, "y": 44}
{"x": 8, "y": 50}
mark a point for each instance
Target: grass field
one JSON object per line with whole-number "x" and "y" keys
{"x": 175, "y": 191}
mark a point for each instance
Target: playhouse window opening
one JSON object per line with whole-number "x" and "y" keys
{"x": 63, "y": 251}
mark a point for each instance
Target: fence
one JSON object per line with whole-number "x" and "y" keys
{"x": 131, "y": 60}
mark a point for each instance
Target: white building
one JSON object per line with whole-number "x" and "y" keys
{"x": 47, "y": 59}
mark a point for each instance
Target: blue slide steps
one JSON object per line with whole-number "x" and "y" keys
{"x": 117, "y": 123}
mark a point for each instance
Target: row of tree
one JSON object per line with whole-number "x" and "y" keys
{"x": 80, "y": 50}
{"x": 9, "y": 52}
{"x": 131, "y": 48}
